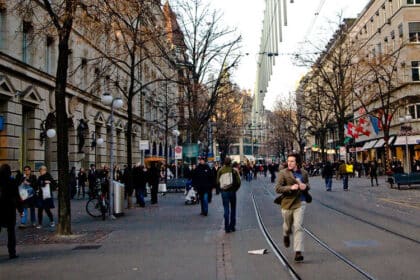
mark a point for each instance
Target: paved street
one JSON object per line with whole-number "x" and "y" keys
{"x": 172, "y": 241}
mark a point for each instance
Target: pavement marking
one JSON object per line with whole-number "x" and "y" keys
{"x": 415, "y": 205}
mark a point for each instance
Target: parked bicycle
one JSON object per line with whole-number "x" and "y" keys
{"x": 98, "y": 206}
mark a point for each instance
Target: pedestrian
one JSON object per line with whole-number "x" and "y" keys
{"x": 92, "y": 176}
{"x": 202, "y": 182}
{"x": 293, "y": 183}
{"x": 153, "y": 179}
{"x": 81, "y": 181}
{"x": 45, "y": 186}
{"x": 9, "y": 203}
{"x": 342, "y": 170}
{"x": 272, "y": 170}
{"x": 215, "y": 169}
{"x": 373, "y": 172}
{"x": 29, "y": 180}
{"x": 139, "y": 182}
{"x": 327, "y": 174}
{"x": 229, "y": 193}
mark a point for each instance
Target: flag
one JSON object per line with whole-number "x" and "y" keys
{"x": 375, "y": 124}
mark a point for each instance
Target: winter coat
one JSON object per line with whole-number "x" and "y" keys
{"x": 9, "y": 202}
{"x": 292, "y": 198}
{"x": 202, "y": 178}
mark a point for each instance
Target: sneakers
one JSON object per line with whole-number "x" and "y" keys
{"x": 298, "y": 256}
{"x": 22, "y": 226}
{"x": 52, "y": 224}
{"x": 286, "y": 241}
{"x": 38, "y": 226}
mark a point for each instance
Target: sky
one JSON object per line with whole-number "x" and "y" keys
{"x": 247, "y": 17}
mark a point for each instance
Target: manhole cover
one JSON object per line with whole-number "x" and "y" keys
{"x": 87, "y": 247}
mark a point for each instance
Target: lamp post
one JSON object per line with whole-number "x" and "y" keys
{"x": 117, "y": 102}
{"x": 176, "y": 133}
{"x": 406, "y": 128}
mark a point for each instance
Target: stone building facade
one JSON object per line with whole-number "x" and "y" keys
{"x": 27, "y": 106}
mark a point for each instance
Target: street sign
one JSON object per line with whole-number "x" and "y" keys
{"x": 144, "y": 145}
{"x": 178, "y": 152}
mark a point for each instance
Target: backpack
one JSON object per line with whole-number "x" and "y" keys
{"x": 226, "y": 180}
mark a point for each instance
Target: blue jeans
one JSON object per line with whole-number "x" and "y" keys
{"x": 24, "y": 217}
{"x": 345, "y": 181}
{"x": 229, "y": 207}
{"x": 204, "y": 201}
{"x": 140, "y": 197}
{"x": 328, "y": 183}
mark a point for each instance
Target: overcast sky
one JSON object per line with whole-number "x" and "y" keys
{"x": 247, "y": 16}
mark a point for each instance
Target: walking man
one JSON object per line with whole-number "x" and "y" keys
{"x": 202, "y": 181}
{"x": 373, "y": 172}
{"x": 229, "y": 193}
{"x": 327, "y": 174}
{"x": 342, "y": 170}
{"x": 293, "y": 184}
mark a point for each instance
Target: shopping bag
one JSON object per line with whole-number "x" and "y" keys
{"x": 162, "y": 187}
{"x": 25, "y": 191}
{"x": 46, "y": 192}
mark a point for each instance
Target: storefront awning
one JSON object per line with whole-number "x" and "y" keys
{"x": 411, "y": 140}
{"x": 381, "y": 142}
{"x": 369, "y": 145}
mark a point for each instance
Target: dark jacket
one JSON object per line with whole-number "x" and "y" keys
{"x": 139, "y": 178}
{"x": 328, "y": 171}
{"x": 202, "y": 178}
{"x": 41, "y": 183}
{"x": 291, "y": 198}
{"x": 9, "y": 202}
{"x": 153, "y": 176}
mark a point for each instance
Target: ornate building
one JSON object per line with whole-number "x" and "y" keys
{"x": 28, "y": 61}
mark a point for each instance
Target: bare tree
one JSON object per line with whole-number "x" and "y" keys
{"x": 135, "y": 42}
{"x": 228, "y": 117}
{"x": 289, "y": 120}
{"x": 336, "y": 76}
{"x": 377, "y": 87}
{"x": 60, "y": 15}
{"x": 315, "y": 108}
{"x": 212, "y": 50}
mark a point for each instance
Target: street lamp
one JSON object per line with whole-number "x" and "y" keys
{"x": 176, "y": 133}
{"x": 406, "y": 128}
{"x": 117, "y": 102}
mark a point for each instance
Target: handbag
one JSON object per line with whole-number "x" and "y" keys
{"x": 25, "y": 192}
{"x": 278, "y": 199}
{"x": 46, "y": 192}
{"x": 162, "y": 187}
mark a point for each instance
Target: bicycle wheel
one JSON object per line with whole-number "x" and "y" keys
{"x": 93, "y": 207}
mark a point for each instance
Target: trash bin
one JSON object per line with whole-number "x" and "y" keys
{"x": 118, "y": 198}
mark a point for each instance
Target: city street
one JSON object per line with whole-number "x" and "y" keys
{"x": 371, "y": 232}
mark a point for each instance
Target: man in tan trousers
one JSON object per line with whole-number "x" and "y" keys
{"x": 293, "y": 185}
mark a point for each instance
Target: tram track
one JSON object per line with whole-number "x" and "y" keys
{"x": 283, "y": 259}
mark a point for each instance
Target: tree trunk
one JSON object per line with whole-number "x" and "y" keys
{"x": 64, "y": 211}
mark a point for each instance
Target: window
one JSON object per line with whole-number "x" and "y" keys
{"x": 48, "y": 54}
{"x": 414, "y": 110}
{"x": 3, "y": 28}
{"x": 415, "y": 70}
{"x": 414, "y": 31}
{"x": 413, "y": 2}
{"x": 26, "y": 34}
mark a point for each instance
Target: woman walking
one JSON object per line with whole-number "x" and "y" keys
{"x": 45, "y": 186}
